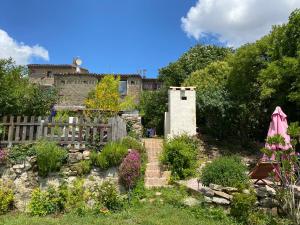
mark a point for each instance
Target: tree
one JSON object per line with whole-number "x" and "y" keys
{"x": 18, "y": 96}
{"x": 212, "y": 96}
{"x": 105, "y": 99}
{"x": 196, "y": 58}
{"x": 152, "y": 106}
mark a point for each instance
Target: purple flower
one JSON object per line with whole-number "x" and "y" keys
{"x": 129, "y": 170}
{"x": 3, "y": 155}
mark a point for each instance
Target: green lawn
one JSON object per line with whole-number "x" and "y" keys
{"x": 165, "y": 209}
{"x": 145, "y": 214}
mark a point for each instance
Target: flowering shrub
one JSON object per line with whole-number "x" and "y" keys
{"x": 129, "y": 170}
{"x": 3, "y": 156}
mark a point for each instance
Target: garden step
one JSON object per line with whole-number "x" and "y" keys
{"x": 152, "y": 173}
{"x": 155, "y": 182}
{"x": 153, "y": 166}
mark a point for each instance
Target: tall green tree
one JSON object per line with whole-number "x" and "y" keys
{"x": 194, "y": 59}
{"x": 212, "y": 96}
{"x": 18, "y": 96}
{"x": 105, "y": 99}
{"x": 152, "y": 106}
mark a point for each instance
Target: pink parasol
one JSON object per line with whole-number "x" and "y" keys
{"x": 278, "y": 125}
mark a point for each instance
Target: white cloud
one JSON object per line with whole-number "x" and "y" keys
{"x": 236, "y": 21}
{"x": 20, "y": 52}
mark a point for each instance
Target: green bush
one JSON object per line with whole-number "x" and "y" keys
{"x": 225, "y": 171}
{"x": 6, "y": 198}
{"x": 111, "y": 155}
{"x": 83, "y": 167}
{"x": 18, "y": 153}
{"x": 46, "y": 202}
{"x": 242, "y": 206}
{"x": 76, "y": 197}
{"x": 180, "y": 154}
{"x": 132, "y": 143}
{"x": 50, "y": 157}
{"x": 108, "y": 196}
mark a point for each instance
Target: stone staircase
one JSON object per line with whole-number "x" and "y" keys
{"x": 154, "y": 175}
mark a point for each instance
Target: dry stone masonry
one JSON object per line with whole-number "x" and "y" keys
{"x": 23, "y": 177}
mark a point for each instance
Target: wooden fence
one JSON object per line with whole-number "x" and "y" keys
{"x": 73, "y": 130}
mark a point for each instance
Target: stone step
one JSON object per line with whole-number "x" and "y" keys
{"x": 153, "y": 166}
{"x": 153, "y": 158}
{"x": 155, "y": 182}
{"x": 152, "y": 173}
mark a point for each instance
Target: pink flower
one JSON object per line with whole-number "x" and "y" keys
{"x": 129, "y": 170}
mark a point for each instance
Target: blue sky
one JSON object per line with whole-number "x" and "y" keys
{"x": 123, "y": 36}
{"x": 109, "y": 36}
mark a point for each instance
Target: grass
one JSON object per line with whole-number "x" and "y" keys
{"x": 156, "y": 209}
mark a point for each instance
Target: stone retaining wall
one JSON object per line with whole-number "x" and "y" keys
{"x": 23, "y": 177}
{"x": 134, "y": 121}
{"x": 266, "y": 195}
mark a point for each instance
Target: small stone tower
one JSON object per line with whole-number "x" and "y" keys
{"x": 181, "y": 115}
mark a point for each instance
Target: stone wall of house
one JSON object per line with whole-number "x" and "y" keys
{"x": 24, "y": 178}
{"x": 134, "y": 88}
{"x": 74, "y": 89}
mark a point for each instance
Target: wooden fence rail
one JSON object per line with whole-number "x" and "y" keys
{"x": 73, "y": 130}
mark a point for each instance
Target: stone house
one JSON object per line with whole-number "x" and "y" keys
{"x": 74, "y": 83}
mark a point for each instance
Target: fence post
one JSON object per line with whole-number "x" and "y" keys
{"x": 10, "y": 131}
{"x": 39, "y": 128}
{"x": 17, "y": 135}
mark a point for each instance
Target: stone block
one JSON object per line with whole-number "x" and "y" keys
{"x": 268, "y": 202}
{"x": 207, "y": 191}
{"x": 220, "y": 201}
{"x": 216, "y": 187}
{"x": 223, "y": 195}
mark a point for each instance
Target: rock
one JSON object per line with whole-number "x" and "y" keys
{"x": 18, "y": 166}
{"x": 229, "y": 190}
{"x": 86, "y": 154}
{"x": 216, "y": 187}
{"x": 246, "y": 191}
{"x": 28, "y": 166}
{"x": 271, "y": 191}
{"x": 74, "y": 150}
{"x": 261, "y": 192}
{"x": 190, "y": 201}
{"x": 223, "y": 195}
{"x": 158, "y": 193}
{"x": 207, "y": 199}
{"x": 49, "y": 181}
{"x": 265, "y": 191}
{"x": 207, "y": 191}
{"x": 71, "y": 179}
{"x": 75, "y": 157}
{"x": 111, "y": 172}
{"x": 220, "y": 201}
{"x": 268, "y": 203}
